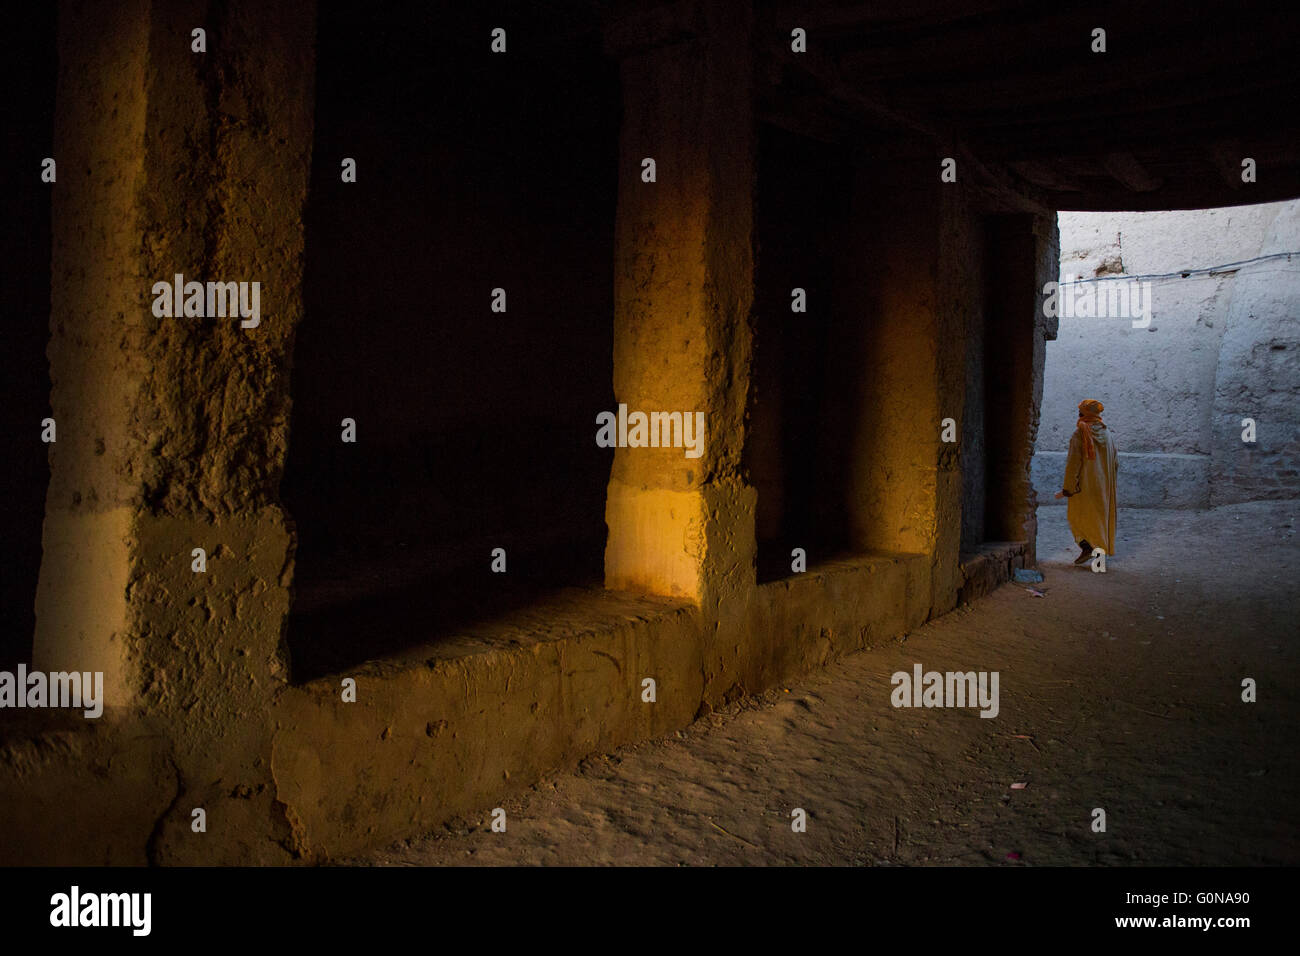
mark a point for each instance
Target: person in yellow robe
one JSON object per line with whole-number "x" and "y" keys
{"x": 1090, "y": 483}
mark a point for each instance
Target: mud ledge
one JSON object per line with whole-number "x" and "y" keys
{"x": 454, "y": 727}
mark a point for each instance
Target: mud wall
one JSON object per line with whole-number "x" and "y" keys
{"x": 1221, "y": 346}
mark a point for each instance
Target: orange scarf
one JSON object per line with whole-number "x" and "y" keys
{"x": 1089, "y": 412}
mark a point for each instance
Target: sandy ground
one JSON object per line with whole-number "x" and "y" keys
{"x": 1119, "y": 690}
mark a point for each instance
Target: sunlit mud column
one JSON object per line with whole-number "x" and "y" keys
{"x": 1025, "y": 251}
{"x": 166, "y": 558}
{"x": 681, "y": 525}
{"x": 905, "y": 479}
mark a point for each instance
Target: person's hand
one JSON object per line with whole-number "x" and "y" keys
{"x": 1060, "y": 494}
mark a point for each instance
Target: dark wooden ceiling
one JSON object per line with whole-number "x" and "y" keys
{"x": 1161, "y": 120}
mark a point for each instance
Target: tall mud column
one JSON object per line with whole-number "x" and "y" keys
{"x": 1025, "y": 256}
{"x": 684, "y": 273}
{"x": 171, "y": 431}
{"x": 906, "y": 483}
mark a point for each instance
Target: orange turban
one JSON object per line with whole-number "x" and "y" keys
{"x": 1089, "y": 411}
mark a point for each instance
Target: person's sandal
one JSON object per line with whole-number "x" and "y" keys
{"x": 1085, "y": 553}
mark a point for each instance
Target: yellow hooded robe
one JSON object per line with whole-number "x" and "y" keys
{"x": 1090, "y": 486}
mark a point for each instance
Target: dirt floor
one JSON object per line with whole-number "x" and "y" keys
{"x": 1119, "y": 690}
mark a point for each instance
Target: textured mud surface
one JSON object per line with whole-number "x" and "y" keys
{"x": 1120, "y": 691}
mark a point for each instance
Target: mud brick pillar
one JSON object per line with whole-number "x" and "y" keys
{"x": 684, "y": 274}
{"x": 172, "y": 431}
{"x": 1026, "y": 250}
